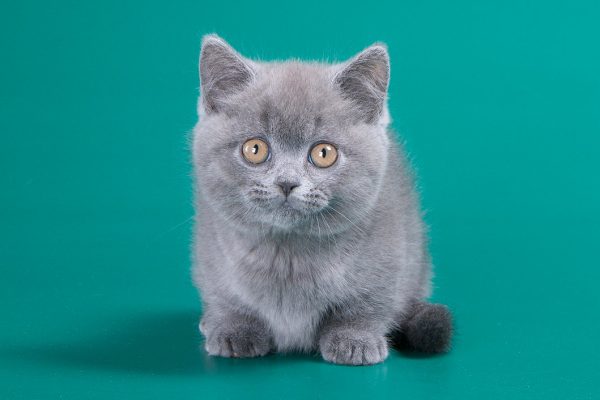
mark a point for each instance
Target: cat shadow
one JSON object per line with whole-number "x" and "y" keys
{"x": 401, "y": 346}
{"x": 158, "y": 343}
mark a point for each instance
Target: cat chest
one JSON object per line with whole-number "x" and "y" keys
{"x": 290, "y": 292}
{"x": 285, "y": 280}
{"x": 292, "y": 308}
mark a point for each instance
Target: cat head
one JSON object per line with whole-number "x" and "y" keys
{"x": 291, "y": 146}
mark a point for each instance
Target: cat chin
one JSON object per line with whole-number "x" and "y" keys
{"x": 287, "y": 220}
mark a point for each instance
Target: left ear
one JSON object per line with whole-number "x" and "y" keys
{"x": 364, "y": 80}
{"x": 223, "y": 72}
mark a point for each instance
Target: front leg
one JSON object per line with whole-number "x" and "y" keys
{"x": 353, "y": 342}
{"x": 234, "y": 335}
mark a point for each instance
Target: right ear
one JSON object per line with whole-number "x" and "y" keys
{"x": 223, "y": 72}
{"x": 364, "y": 80}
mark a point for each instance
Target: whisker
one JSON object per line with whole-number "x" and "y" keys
{"x": 348, "y": 219}
{"x": 180, "y": 224}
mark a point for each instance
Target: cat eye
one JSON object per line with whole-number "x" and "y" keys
{"x": 255, "y": 151}
{"x": 323, "y": 155}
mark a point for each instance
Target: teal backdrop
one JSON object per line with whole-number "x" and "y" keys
{"x": 499, "y": 105}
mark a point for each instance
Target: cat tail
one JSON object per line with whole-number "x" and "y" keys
{"x": 426, "y": 328}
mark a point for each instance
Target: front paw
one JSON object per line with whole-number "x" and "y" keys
{"x": 353, "y": 347}
{"x": 237, "y": 341}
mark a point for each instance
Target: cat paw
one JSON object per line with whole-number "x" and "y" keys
{"x": 237, "y": 341}
{"x": 353, "y": 347}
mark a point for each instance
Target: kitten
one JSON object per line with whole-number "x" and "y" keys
{"x": 308, "y": 232}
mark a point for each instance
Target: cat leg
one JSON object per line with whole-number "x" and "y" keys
{"x": 235, "y": 335}
{"x": 426, "y": 327}
{"x": 353, "y": 342}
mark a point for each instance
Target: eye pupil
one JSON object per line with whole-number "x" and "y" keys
{"x": 323, "y": 155}
{"x": 255, "y": 151}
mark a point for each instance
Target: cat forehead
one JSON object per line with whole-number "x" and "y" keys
{"x": 295, "y": 77}
{"x": 295, "y": 87}
{"x": 293, "y": 100}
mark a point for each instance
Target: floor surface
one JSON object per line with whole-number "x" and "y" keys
{"x": 499, "y": 105}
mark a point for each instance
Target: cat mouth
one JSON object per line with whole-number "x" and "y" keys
{"x": 287, "y": 214}
{"x": 288, "y": 207}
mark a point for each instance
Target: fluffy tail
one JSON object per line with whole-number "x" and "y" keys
{"x": 426, "y": 328}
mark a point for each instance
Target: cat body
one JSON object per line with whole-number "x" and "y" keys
{"x": 292, "y": 255}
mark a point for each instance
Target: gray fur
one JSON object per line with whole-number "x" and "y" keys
{"x": 335, "y": 265}
{"x": 427, "y": 328}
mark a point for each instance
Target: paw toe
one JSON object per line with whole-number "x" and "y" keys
{"x": 354, "y": 349}
{"x": 237, "y": 343}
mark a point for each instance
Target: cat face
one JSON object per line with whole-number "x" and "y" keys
{"x": 291, "y": 147}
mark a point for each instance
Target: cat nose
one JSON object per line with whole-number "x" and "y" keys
{"x": 287, "y": 187}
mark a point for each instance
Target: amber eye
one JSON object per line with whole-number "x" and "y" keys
{"x": 255, "y": 151}
{"x": 323, "y": 155}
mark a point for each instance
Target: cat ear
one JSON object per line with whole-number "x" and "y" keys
{"x": 364, "y": 80}
{"x": 223, "y": 72}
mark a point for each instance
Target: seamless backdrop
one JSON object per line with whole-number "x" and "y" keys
{"x": 498, "y": 103}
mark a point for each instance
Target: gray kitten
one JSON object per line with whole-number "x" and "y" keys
{"x": 308, "y": 232}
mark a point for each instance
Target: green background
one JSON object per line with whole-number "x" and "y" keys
{"x": 498, "y": 101}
